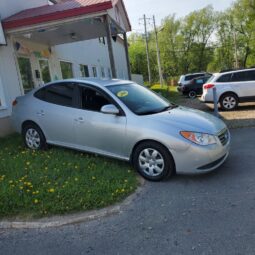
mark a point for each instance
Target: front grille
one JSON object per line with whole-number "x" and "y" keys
{"x": 224, "y": 137}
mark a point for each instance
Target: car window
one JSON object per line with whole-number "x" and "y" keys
{"x": 250, "y": 75}
{"x": 139, "y": 99}
{"x": 240, "y": 76}
{"x": 199, "y": 81}
{"x": 225, "y": 78}
{"x": 60, "y": 94}
{"x": 92, "y": 99}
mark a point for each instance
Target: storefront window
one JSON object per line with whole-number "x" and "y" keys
{"x": 84, "y": 70}
{"x": 94, "y": 69}
{"x": 26, "y": 74}
{"x": 45, "y": 70}
{"x": 66, "y": 69}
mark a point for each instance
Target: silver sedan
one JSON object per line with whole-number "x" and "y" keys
{"x": 123, "y": 120}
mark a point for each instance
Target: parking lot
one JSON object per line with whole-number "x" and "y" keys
{"x": 204, "y": 214}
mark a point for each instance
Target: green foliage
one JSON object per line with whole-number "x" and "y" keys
{"x": 58, "y": 181}
{"x": 204, "y": 40}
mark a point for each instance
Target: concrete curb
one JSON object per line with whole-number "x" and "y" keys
{"x": 58, "y": 221}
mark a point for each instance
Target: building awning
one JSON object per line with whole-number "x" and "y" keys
{"x": 65, "y": 22}
{"x": 59, "y": 11}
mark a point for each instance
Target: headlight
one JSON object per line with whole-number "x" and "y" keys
{"x": 199, "y": 138}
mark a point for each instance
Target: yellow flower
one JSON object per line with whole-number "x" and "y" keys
{"x": 20, "y": 187}
{"x": 123, "y": 190}
{"x": 93, "y": 177}
{"x": 10, "y": 181}
{"x": 36, "y": 201}
{"x": 51, "y": 190}
{"x": 28, "y": 163}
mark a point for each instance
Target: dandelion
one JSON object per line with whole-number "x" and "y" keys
{"x": 93, "y": 177}
{"x": 28, "y": 163}
{"x": 10, "y": 181}
{"x": 36, "y": 201}
{"x": 51, "y": 190}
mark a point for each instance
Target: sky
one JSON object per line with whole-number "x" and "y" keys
{"x": 162, "y": 8}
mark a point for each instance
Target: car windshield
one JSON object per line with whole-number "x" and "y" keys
{"x": 139, "y": 99}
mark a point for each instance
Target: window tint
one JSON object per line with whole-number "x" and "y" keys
{"x": 225, "y": 78}
{"x": 192, "y": 76}
{"x": 250, "y": 75}
{"x": 92, "y": 100}
{"x": 60, "y": 94}
{"x": 241, "y": 76}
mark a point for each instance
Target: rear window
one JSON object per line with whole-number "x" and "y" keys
{"x": 192, "y": 76}
{"x": 225, "y": 78}
{"x": 243, "y": 76}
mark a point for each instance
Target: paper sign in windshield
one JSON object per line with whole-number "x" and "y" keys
{"x": 123, "y": 93}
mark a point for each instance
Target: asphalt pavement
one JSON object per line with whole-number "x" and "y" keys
{"x": 206, "y": 214}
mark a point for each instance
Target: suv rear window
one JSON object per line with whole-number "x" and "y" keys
{"x": 192, "y": 76}
{"x": 225, "y": 78}
{"x": 244, "y": 76}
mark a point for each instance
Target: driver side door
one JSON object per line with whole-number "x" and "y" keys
{"x": 95, "y": 131}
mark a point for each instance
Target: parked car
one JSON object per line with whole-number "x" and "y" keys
{"x": 195, "y": 86}
{"x": 185, "y": 79}
{"x": 232, "y": 88}
{"x": 123, "y": 120}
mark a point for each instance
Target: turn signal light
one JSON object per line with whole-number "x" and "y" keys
{"x": 208, "y": 86}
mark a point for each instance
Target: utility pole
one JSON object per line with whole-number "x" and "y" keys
{"x": 147, "y": 48}
{"x": 158, "y": 54}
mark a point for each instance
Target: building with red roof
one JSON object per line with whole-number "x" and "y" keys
{"x": 42, "y": 41}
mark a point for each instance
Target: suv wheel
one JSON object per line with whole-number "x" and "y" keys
{"x": 192, "y": 94}
{"x": 228, "y": 102}
{"x": 153, "y": 161}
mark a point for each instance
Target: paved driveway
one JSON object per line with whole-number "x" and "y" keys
{"x": 209, "y": 214}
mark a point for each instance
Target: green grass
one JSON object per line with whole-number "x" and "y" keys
{"x": 169, "y": 92}
{"x": 58, "y": 181}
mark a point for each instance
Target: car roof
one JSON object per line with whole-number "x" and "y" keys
{"x": 94, "y": 81}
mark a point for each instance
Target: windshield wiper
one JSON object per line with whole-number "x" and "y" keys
{"x": 167, "y": 108}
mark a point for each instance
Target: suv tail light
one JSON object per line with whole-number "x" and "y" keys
{"x": 15, "y": 102}
{"x": 208, "y": 86}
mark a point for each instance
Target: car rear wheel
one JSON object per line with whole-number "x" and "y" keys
{"x": 228, "y": 102}
{"x": 192, "y": 94}
{"x": 153, "y": 161}
{"x": 33, "y": 137}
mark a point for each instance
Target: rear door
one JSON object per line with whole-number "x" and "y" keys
{"x": 244, "y": 83}
{"x": 55, "y": 109}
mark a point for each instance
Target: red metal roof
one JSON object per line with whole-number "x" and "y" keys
{"x": 66, "y": 9}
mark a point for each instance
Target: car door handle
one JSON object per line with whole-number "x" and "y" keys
{"x": 40, "y": 113}
{"x": 80, "y": 120}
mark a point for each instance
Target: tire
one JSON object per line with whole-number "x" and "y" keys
{"x": 192, "y": 94}
{"x": 228, "y": 102}
{"x": 33, "y": 137}
{"x": 155, "y": 167}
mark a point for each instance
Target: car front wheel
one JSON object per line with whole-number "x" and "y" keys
{"x": 228, "y": 102}
{"x": 153, "y": 161}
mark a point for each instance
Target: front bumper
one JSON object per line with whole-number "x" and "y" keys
{"x": 201, "y": 159}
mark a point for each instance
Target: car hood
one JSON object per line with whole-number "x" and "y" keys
{"x": 188, "y": 119}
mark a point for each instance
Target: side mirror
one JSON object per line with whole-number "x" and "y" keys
{"x": 110, "y": 109}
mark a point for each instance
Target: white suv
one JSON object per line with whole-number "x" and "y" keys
{"x": 232, "y": 88}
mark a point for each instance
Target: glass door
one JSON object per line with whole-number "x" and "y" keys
{"x": 26, "y": 73}
{"x": 45, "y": 70}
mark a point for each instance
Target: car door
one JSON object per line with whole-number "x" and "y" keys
{"x": 96, "y": 131}
{"x": 55, "y": 110}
